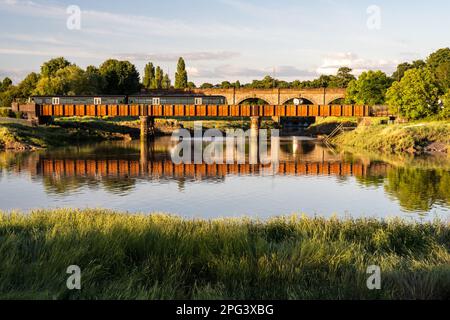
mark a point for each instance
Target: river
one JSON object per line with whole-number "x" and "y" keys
{"x": 307, "y": 177}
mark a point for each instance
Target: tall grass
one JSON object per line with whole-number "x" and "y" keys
{"x": 158, "y": 256}
{"x": 412, "y": 137}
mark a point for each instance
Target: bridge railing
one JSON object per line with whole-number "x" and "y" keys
{"x": 205, "y": 110}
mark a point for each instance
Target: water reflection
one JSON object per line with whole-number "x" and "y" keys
{"x": 336, "y": 182}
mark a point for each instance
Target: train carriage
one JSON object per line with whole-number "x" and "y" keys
{"x": 176, "y": 100}
{"x": 80, "y": 100}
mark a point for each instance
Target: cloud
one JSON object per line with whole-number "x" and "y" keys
{"x": 107, "y": 23}
{"x": 16, "y": 75}
{"x": 332, "y": 63}
{"x": 188, "y": 56}
{"x": 227, "y": 71}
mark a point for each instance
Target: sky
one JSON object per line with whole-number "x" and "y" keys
{"x": 223, "y": 39}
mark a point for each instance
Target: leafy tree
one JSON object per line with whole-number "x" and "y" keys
{"x": 369, "y": 89}
{"x": 70, "y": 80}
{"x": 439, "y": 63}
{"x": 121, "y": 77}
{"x": 5, "y": 84}
{"x": 166, "y": 83}
{"x": 442, "y": 73}
{"x": 50, "y": 67}
{"x": 191, "y": 85}
{"x": 439, "y": 57}
{"x": 445, "y": 107}
{"x": 206, "y": 85}
{"x": 149, "y": 76}
{"x": 181, "y": 78}
{"x": 94, "y": 81}
{"x": 27, "y": 86}
{"x": 7, "y": 96}
{"x": 158, "y": 80}
{"x": 342, "y": 79}
{"x": 237, "y": 84}
{"x": 416, "y": 95}
{"x": 225, "y": 85}
{"x": 403, "y": 67}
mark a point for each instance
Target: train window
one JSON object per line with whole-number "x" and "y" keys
{"x": 55, "y": 100}
{"x": 97, "y": 101}
{"x": 198, "y": 101}
{"x": 156, "y": 101}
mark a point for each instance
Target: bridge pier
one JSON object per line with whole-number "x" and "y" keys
{"x": 147, "y": 127}
{"x": 255, "y": 124}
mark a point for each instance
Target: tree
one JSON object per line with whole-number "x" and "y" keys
{"x": 225, "y": 85}
{"x": 27, "y": 86}
{"x": 166, "y": 83}
{"x": 95, "y": 83}
{"x": 439, "y": 63}
{"x": 439, "y": 57}
{"x": 445, "y": 107}
{"x": 416, "y": 95}
{"x": 158, "y": 80}
{"x": 207, "y": 85}
{"x": 405, "y": 66}
{"x": 5, "y": 84}
{"x": 70, "y": 80}
{"x": 237, "y": 84}
{"x": 121, "y": 77}
{"x": 50, "y": 67}
{"x": 369, "y": 89}
{"x": 342, "y": 79}
{"x": 181, "y": 78}
{"x": 191, "y": 85}
{"x": 149, "y": 75}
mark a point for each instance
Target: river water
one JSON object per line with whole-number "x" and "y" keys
{"x": 307, "y": 177}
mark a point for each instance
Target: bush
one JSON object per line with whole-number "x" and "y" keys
{"x": 445, "y": 109}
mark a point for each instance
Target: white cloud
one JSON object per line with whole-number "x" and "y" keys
{"x": 189, "y": 56}
{"x": 227, "y": 71}
{"x": 332, "y": 63}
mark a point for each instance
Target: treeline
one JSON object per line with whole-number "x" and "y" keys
{"x": 61, "y": 77}
{"x": 340, "y": 80}
{"x": 415, "y": 90}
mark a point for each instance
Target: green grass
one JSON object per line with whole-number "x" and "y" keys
{"x": 125, "y": 256}
{"x": 64, "y": 132}
{"x": 410, "y": 137}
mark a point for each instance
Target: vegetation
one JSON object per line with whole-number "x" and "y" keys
{"x": 416, "y": 137}
{"x": 125, "y": 256}
{"x": 416, "y": 96}
{"x": 369, "y": 89}
{"x": 64, "y": 132}
{"x": 155, "y": 78}
{"x": 413, "y": 91}
{"x": 181, "y": 78}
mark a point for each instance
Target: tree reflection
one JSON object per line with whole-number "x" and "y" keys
{"x": 418, "y": 189}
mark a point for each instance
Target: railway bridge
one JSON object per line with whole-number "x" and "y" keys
{"x": 272, "y": 103}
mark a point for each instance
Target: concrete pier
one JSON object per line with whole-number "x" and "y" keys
{"x": 255, "y": 124}
{"x": 147, "y": 127}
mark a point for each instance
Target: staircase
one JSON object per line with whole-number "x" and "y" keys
{"x": 339, "y": 129}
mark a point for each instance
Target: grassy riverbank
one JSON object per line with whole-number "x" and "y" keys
{"x": 414, "y": 138}
{"x": 63, "y": 132}
{"x": 162, "y": 257}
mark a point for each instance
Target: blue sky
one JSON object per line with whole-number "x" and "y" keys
{"x": 224, "y": 39}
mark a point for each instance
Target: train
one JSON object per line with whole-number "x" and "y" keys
{"x": 148, "y": 99}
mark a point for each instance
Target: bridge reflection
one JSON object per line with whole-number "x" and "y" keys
{"x": 167, "y": 169}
